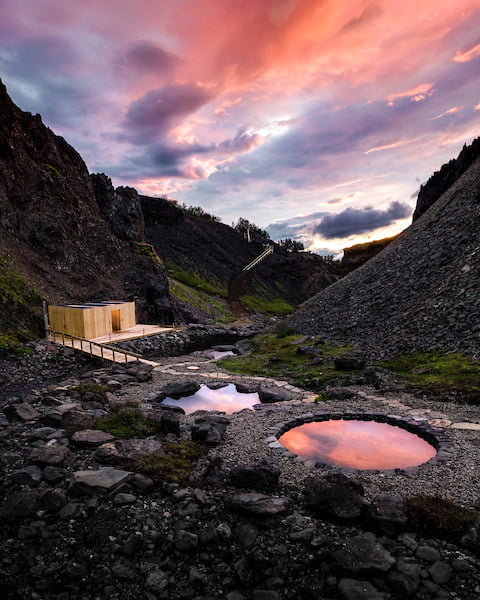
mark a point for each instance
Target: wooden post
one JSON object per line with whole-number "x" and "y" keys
{"x": 45, "y": 319}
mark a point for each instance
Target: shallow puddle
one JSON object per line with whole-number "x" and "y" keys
{"x": 358, "y": 444}
{"x": 225, "y": 399}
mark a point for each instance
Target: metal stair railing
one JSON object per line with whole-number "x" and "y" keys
{"x": 90, "y": 345}
{"x": 259, "y": 258}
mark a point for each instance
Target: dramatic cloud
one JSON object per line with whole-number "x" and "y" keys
{"x": 160, "y": 110}
{"x": 256, "y": 109}
{"x": 355, "y": 221}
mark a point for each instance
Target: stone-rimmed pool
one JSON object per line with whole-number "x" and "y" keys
{"x": 225, "y": 399}
{"x": 438, "y": 445}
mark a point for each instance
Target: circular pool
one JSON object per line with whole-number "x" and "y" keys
{"x": 358, "y": 444}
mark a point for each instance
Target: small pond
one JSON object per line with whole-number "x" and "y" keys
{"x": 358, "y": 444}
{"x": 225, "y": 399}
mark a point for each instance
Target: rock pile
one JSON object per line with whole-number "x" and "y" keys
{"x": 79, "y": 522}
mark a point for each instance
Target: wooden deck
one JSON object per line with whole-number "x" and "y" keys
{"x": 100, "y": 346}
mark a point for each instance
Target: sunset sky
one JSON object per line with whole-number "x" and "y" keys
{"x": 315, "y": 119}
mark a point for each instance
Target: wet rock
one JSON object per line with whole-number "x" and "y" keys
{"x": 271, "y": 395}
{"x": 90, "y": 438}
{"x": 103, "y": 480}
{"x": 363, "y": 554}
{"x": 388, "y": 514}
{"x": 263, "y": 476}
{"x": 334, "y": 495}
{"x": 20, "y": 412}
{"x": 255, "y": 503}
{"x": 30, "y": 476}
{"x": 352, "y": 589}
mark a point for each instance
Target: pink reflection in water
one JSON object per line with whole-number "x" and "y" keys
{"x": 226, "y": 399}
{"x": 358, "y": 444}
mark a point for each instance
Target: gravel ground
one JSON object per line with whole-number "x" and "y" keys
{"x": 458, "y": 478}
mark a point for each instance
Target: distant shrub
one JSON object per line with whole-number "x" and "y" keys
{"x": 244, "y": 225}
{"x": 291, "y": 245}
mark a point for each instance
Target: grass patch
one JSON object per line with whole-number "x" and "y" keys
{"x": 267, "y": 306}
{"x": 128, "y": 422}
{"x": 438, "y": 374}
{"x": 282, "y": 357}
{"x": 434, "y": 516}
{"x": 211, "y": 306}
{"x": 173, "y": 463}
{"x": 194, "y": 280}
{"x": 149, "y": 252}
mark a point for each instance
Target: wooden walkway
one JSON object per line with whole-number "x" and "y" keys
{"x": 100, "y": 347}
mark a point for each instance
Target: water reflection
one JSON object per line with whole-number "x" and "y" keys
{"x": 225, "y": 399}
{"x": 358, "y": 444}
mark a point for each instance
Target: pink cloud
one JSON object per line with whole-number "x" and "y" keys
{"x": 450, "y": 111}
{"x": 416, "y": 94}
{"x": 467, "y": 55}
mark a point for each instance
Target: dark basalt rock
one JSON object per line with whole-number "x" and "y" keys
{"x": 335, "y": 496}
{"x": 388, "y": 514}
{"x": 271, "y": 395}
{"x": 363, "y": 554}
{"x": 263, "y": 476}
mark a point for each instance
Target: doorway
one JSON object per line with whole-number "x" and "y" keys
{"x": 116, "y": 320}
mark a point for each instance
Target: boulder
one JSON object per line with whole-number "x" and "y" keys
{"x": 388, "y": 514}
{"x": 362, "y": 554}
{"x": 257, "y": 504}
{"x": 90, "y": 438}
{"x": 335, "y": 496}
{"x": 101, "y": 481}
{"x": 209, "y": 429}
{"x": 271, "y": 395}
{"x": 352, "y": 589}
{"x": 263, "y": 476}
{"x": 49, "y": 456}
{"x": 20, "y": 412}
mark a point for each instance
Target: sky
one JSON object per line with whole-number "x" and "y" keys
{"x": 314, "y": 119}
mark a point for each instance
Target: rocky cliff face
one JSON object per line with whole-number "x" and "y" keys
{"x": 357, "y": 255}
{"x": 55, "y": 234}
{"x": 420, "y": 293}
{"x": 441, "y": 180}
{"x": 217, "y": 253}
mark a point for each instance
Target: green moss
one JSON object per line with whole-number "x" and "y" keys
{"x": 149, "y": 252}
{"x": 279, "y": 357}
{"x": 128, "y": 422}
{"x": 52, "y": 171}
{"x": 438, "y": 374}
{"x": 434, "y": 516}
{"x": 267, "y": 306}
{"x": 195, "y": 280}
{"x": 92, "y": 388}
{"x": 210, "y": 305}
{"x": 174, "y": 462}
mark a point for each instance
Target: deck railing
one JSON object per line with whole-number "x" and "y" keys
{"x": 89, "y": 345}
{"x": 259, "y": 259}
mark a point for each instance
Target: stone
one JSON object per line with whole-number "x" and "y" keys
{"x": 103, "y": 480}
{"x": 49, "y": 455}
{"x": 349, "y": 363}
{"x": 263, "y": 476}
{"x": 258, "y": 504}
{"x": 404, "y": 578}
{"x": 427, "y": 553}
{"x": 265, "y": 595}
{"x": 271, "y": 395}
{"x": 352, "y": 589}
{"x": 471, "y": 539}
{"x": 53, "y": 500}
{"x": 185, "y": 541}
{"x": 21, "y": 504}
{"x": 71, "y": 510}
{"x": 124, "y": 498}
{"x": 127, "y": 450}
{"x": 339, "y": 393}
{"x": 170, "y": 422}
{"x": 209, "y": 429}
{"x": 388, "y": 514}
{"x": 20, "y": 412}
{"x": 90, "y": 438}
{"x": 334, "y": 495}
{"x": 361, "y": 554}
{"x": 441, "y": 572}
{"x": 30, "y": 476}
{"x": 53, "y": 474}
{"x": 157, "y": 581}
{"x": 246, "y": 534}
{"x": 76, "y": 420}
{"x": 179, "y": 389}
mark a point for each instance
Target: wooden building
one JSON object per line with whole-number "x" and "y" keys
{"x": 92, "y": 320}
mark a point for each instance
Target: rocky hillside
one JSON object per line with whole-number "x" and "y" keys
{"x": 208, "y": 255}
{"x": 421, "y": 292}
{"x": 68, "y": 236}
{"x": 56, "y": 242}
{"x": 441, "y": 180}
{"x": 356, "y": 256}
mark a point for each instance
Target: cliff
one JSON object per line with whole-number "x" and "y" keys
{"x": 56, "y": 240}
{"x": 419, "y": 293}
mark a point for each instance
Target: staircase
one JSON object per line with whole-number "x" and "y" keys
{"x": 262, "y": 256}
